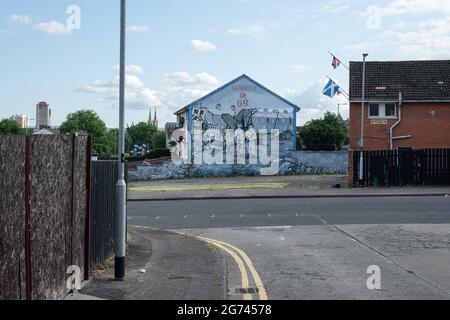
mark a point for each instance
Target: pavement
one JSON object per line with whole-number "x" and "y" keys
{"x": 315, "y": 249}
{"x": 162, "y": 265}
{"x": 291, "y": 187}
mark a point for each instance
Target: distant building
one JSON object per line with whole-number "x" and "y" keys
{"x": 45, "y": 131}
{"x": 22, "y": 120}
{"x": 153, "y": 121}
{"x": 43, "y": 115}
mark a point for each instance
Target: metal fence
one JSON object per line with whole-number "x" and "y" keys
{"x": 387, "y": 168}
{"x": 104, "y": 179}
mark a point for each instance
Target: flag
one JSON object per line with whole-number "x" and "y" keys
{"x": 331, "y": 89}
{"x": 336, "y": 62}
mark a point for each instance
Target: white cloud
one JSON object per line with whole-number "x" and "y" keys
{"x": 177, "y": 90}
{"x": 19, "y": 19}
{"x": 401, "y": 7}
{"x": 137, "y": 29}
{"x": 52, "y": 27}
{"x": 202, "y": 46}
{"x": 182, "y": 88}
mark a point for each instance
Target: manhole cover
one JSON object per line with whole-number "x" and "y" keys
{"x": 247, "y": 291}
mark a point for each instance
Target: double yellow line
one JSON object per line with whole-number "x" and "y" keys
{"x": 241, "y": 259}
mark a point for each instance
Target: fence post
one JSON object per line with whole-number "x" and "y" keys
{"x": 87, "y": 226}
{"x": 28, "y": 265}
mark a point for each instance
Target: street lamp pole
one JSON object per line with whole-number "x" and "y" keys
{"x": 363, "y": 106}
{"x": 121, "y": 187}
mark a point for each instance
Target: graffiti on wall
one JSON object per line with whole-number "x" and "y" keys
{"x": 246, "y": 106}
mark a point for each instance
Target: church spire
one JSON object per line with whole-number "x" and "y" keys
{"x": 155, "y": 120}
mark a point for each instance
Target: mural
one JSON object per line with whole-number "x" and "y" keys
{"x": 244, "y": 104}
{"x": 303, "y": 163}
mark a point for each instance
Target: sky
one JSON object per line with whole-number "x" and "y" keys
{"x": 67, "y": 52}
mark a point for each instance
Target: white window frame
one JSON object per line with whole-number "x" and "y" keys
{"x": 382, "y": 110}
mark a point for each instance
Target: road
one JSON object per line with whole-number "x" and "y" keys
{"x": 322, "y": 248}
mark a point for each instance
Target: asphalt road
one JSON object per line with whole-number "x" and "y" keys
{"x": 289, "y": 212}
{"x": 322, "y": 248}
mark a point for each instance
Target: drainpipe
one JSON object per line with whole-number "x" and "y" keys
{"x": 363, "y": 106}
{"x": 391, "y": 130}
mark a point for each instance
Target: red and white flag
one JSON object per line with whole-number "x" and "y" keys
{"x": 336, "y": 62}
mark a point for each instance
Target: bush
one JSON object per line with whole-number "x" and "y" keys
{"x": 155, "y": 154}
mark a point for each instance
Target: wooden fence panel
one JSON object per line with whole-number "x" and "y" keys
{"x": 403, "y": 168}
{"x": 12, "y": 218}
{"x": 51, "y": 214}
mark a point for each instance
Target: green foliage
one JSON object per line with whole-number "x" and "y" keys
{"x": 88, "y": 122}
{"x": 159, "y": 140}
{"x": 327, "y": 134}
{"x": 115, "y": 136}
{"x": 155, "y": 154}
{"x": 160, "y": 153}
{"x": 142, "y": 133}
{"x": 10, "y": 127}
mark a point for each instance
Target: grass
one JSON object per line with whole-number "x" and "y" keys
{"x": 213, "y": 187}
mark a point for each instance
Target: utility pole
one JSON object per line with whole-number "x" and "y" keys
{"x": 121, "y": 186}
{"x": 363, "y": 106}
{"x": 339, "y": 107}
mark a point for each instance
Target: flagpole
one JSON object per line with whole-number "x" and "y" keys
{"x": 339, "y": 61}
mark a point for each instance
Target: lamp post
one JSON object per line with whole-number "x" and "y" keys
{"x": 339, "y": 107}
{"x": 363, "y": 106}
{"x": 120, "y": 236}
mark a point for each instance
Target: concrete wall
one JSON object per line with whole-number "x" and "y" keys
{"x": 324, "y": 162}
{"x": 297, "y": 164}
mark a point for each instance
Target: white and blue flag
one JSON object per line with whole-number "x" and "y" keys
{"x": 331, "y": 89}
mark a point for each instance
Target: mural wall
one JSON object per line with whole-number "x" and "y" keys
{"x": 244, "y": 104}
{"x": 302, "y": 163}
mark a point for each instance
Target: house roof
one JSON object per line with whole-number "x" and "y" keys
{"x": 416, "y": 80}
{"x": 232, "y": 83}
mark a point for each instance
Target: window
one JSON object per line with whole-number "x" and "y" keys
{"x": 374, "y": 110}
{"x": 382, "y": 110}
{"x": 390, "y": 110}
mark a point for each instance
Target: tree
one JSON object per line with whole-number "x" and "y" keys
{"x": 142, "y": 133}
{"x": 327, "y": 134}
{"x": 87, "y": 121}
{"x": 115, "y": 136}
{"x": 11, "y": 127}
{"x": 159, "y": 140}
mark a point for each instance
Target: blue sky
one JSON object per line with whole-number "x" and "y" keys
{"x": 180, "y": 50}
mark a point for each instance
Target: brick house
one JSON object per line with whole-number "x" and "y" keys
{"x": 407, "y": 105}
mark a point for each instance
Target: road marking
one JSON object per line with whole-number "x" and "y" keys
{"x": 259, "y": 284}
{"x": 157, "y": 218}
{"x": 213, "y": 216}
{"x": 239, "y": 262}
{"x": 229, "y": 249}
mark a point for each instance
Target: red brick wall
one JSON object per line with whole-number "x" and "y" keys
{"x": 427, "y": 130}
